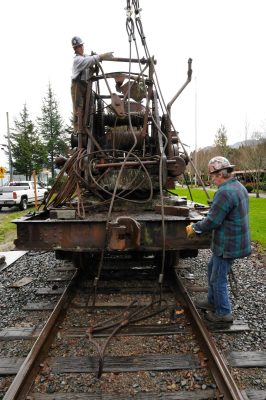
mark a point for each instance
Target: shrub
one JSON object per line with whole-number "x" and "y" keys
{"x": 249, "y": 188}
{"x": 262, "y": 186}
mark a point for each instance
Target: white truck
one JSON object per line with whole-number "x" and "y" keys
{"x": 21, "y": 194}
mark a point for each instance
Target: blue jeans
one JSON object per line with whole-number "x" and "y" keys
{"x": 218, "y": 269}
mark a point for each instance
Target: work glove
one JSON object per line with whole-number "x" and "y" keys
{"x": 107, "y": 56}
{"x": 190, "y": 231}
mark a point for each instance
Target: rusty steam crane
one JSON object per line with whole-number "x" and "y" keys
{"x": 112, "y": 193}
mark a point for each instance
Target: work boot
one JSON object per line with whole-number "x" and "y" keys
{"x": 211, "y": 316}
{"x": 204, "y": 305}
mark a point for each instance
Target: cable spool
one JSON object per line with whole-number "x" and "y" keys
{"x": 122, "y": 138}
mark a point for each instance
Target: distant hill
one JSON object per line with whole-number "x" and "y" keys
{"x": 248, "y": 142}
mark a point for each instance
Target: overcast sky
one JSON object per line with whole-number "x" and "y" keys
{"x": 225, "y": 39}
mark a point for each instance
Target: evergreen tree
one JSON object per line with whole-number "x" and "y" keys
{"x": 28, "y": 152}
{"x": 220, "y": 142}
{"x": 51, "y": 129}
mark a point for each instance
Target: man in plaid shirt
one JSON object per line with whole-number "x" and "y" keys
{"x": 228, "y": 220}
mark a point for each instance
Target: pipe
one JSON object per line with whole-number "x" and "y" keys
{"x": 189, "y": 74}
{"x": 130, "y": 164}
{"x": 133, "y": 60}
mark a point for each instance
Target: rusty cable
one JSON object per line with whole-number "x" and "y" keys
{"x": 161, "y": 166}
{"x": 127, "y": 319}
{"x": 162, "y": 201}
{"x": 118, "y": 196}
{"x": 69, "y": 188}
{"x": 66, "y": 168}
{"x": 130, "y": 316}
{"x": 109, "y": 323}
{"x": 152, "y": 314}
{"x": 96, "y": 181}
{"x": 80, "y": 206}
{"x": 190, "y": 193}
{"x": 100, "y": 349}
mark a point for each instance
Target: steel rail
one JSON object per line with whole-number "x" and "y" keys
{"x": 22, "y": 382}
{"x": 218, "y": 367}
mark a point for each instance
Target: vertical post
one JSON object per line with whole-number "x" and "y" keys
{"x": 196, "y": 133}
{"x": 35, "y": 190}
{"x": 246, "y": 131}
{"x": 246, "y": 138}
{"x": 9, "y": 150}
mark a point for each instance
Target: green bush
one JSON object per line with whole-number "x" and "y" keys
{"x": 262, "y": 186}
{"x": 249, "y": 188}
{"x": 51, "y": 181}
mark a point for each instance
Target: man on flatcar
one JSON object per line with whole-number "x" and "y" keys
{"x": 229, "y": 222}
{"x": 82, "y": 70}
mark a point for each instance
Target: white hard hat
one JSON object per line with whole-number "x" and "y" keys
{"x": 218, "y": 163}
{"x": 76, "y": 41}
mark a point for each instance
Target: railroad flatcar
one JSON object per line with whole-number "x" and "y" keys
{"x": 113, "y": 193}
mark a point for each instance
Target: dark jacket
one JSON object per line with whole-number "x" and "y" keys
{"x": 229, "y": 221}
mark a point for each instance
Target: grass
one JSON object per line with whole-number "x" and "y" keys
{"x": 257, "y": 213}
{"x": 7, "y": 229}
{"x": 257, "y": 217}
{"x": 198, "y": 195}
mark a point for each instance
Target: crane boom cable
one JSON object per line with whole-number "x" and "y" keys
{"x": 138, "y": 22}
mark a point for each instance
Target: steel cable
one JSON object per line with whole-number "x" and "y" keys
{"x": 128, "y": 317}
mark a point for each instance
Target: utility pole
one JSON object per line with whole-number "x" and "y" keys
{"x": 246, "y": 131}
{"x": 196, "y": 129}
{"x": 9, "y": 150}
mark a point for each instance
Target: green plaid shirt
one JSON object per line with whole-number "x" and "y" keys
{"x": 228, "y": 220}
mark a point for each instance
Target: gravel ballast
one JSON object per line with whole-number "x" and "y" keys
{"x": 249, "y": 306}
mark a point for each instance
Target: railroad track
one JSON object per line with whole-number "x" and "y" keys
{"x": 132, "y": 338}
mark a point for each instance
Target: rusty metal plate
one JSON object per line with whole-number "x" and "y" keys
{"x": 90, "y": 234}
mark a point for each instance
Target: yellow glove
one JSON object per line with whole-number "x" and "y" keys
{"x": 190, "y": 231}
